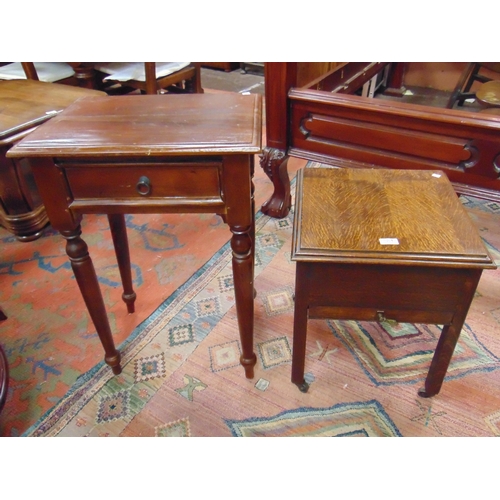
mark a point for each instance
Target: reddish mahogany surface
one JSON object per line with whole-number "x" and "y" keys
{"x": 150, "y": 154}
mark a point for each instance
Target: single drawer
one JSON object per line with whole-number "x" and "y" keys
{"x": 428, "y": 316}
{"x": 135, "y": 181}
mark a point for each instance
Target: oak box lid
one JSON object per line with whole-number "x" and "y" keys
{"x": 406, "y": 217}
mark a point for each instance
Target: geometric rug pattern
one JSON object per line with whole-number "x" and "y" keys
{"x": 179, "y": 428}
{"x": 404, "y": 359}
{"x": 274, "y": 352}
{"x": 346, "y": 419}
{"x": 181, "y": 372}
{"x": 159, "y": 346}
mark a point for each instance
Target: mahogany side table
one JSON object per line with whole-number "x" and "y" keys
{"x": 374, "y": 245}
{"x": 150, "y": 154}
{"x": 25, "y": 104}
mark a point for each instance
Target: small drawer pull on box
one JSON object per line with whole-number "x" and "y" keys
{"x": 382, "y": 319}
{"x": 143, "y": 186}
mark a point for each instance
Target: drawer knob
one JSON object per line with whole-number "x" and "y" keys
{"x": 382, "y": 319}
{"x": 143, "y": 186}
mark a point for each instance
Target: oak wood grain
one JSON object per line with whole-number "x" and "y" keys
{"x": 344, "y": 214}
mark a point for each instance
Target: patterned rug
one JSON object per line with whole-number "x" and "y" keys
{"x": 182, "y": 375}
{"x": 48, "y": 337}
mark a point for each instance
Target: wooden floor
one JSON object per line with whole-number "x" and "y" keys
{"x": 428, "y": 97}
{"x": 233, "y": 81}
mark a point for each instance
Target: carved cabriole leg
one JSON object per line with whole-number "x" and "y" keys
{"x": 243, "y": 275}
{"x": 120, "y": 242}
{"x": 86, "y": 278}
{"x": 274, "y": 163}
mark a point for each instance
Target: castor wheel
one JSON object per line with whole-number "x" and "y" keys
{"x": 424, "y": 394}
{"x": 303, "y": 387}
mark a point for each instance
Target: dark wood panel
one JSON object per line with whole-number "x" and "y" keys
{"x": 353, "y": 131}
{"x": 376, "y": 137}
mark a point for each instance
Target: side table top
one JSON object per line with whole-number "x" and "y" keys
{"x": 383, "y": 216}
{"x": 150, "y": 125}
{"x": 27, "y": 103}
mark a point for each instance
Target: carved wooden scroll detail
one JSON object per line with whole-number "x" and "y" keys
{"x": 496, "y": 164}
{"x": 473, "y": 159}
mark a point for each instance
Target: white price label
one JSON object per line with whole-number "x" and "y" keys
{"x": 388, "y": 241}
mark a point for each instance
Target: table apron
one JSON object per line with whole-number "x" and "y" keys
{"x": 381, "y": 314}
{"x": 435, "y": 290}
{"x": 152, "y": 206}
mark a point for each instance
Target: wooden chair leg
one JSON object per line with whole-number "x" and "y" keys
{"x": 463, "y": 85}
{"x": 195, "y": 83}
{"x": 150, "y": 70}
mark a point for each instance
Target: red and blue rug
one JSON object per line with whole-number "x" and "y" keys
{"x": 182, "y": 375}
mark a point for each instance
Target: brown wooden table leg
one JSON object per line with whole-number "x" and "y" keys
{"x": 240, "y": 217}
{"x": 243, "y": 276}
{"x": 120, "y": 242}
{"x": 4, "y": 377}
{"x": 440, "y": 361}
{"x": 252, "y": 230}
{"x": 300, "y": 329}
{"x": 448, "y": 339}
{"x": 4, "y": 370}
{"x": 86, "y": 278}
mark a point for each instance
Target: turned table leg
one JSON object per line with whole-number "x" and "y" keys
{"x": 120, "y": 242}
{"x": 85, "y": 275}
{"x": 243, "y": 247}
